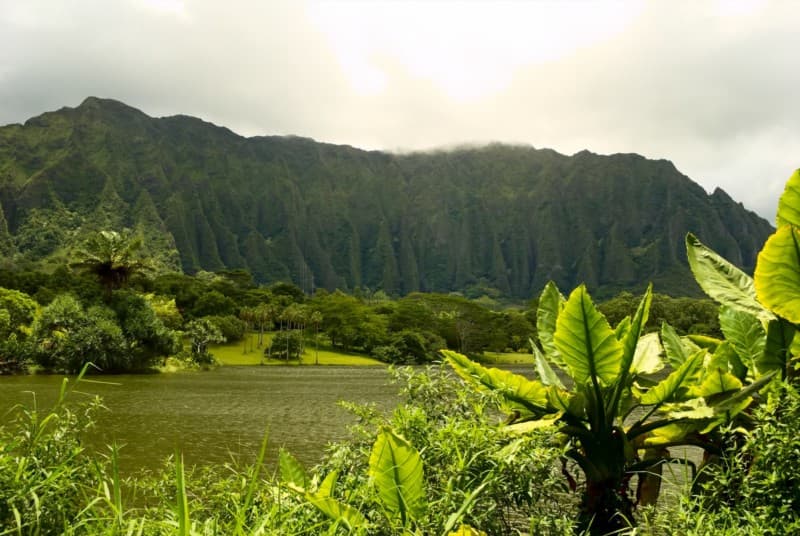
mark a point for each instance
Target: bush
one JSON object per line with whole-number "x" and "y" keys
{"x": 231, "y": 327}
{"x": 45, "y": 472}
{"x": 462, "y": 448}
{"x": 286, "y": 345}
{"x": 755, "y": 488}
{"x": 127, "y": 336}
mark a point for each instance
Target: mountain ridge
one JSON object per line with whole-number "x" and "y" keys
{"x": 495, "y": 218}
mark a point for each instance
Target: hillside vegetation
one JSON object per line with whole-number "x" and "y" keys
{"x": 496, "y": 220}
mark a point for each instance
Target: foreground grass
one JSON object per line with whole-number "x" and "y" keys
{"x": 235, "y": 354}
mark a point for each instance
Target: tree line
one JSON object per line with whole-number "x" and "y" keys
{"x": 108, "y": 307}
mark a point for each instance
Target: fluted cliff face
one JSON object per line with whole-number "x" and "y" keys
{"x": 495, "y": 217}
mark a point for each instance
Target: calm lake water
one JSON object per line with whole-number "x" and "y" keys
{"x": 210, "y": 416}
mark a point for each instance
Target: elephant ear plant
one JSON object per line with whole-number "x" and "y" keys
{"x": 760, "y": 316}
{"x": 596, "y": 387}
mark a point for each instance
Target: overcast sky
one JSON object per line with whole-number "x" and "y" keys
{"x": 713, "y": 86}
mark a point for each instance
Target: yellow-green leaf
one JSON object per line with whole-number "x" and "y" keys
{"x": 647, "y": 358}
{"x": 551, "y": 303}
{"x": 586, "y": 342}
{"x": 292, "y": 471}
{"x": 520, "y": 396}
{"x": 675, "y": 348}
{"x": 745, "y": 333}
{"x": 777, "y": 275}
{"x": 721, "y": 280}
{"x": 716, "y": 381}
{"x": 677, "y": 383}
{"x": 338, "y": 511}
{"x": 789, "y": 203}
{"x": 396, "y": 468}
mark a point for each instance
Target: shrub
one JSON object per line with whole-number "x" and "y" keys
{"x": 286, "y": 345}
{"x": 231, "y": 327}
{"x": 463, "y": 451}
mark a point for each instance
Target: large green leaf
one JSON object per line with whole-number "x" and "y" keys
{"x": 777, "y": 276}
{"x": 789, "y": 204}
{"x": 674, "y": 386}
{"x": 292, "y": 471}
{"x": 745, "y": 333}
{"x": 586, "y": 342}
{"x": 551, "y": 302}
{"x": 545, "y": 372}
{"x": 647, "y": 358}
{"x": 778, "y": 349}
{"x": 338, "y": 511}
{"x": 523, "y": 398}
{"x": 637, "y": 350}
{"x": 721, "y": 280}
{"x": 396, "y": 468}
{"x": 726, "y": 358}
{"x": 716, "y": 381}
{"x": 677, "y": 349}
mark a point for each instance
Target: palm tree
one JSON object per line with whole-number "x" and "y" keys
{"x": 112, "y": 258}
{"x": 316, "y": 319}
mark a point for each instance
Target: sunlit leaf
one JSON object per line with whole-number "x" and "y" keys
{"x": 789, "y": 203}
{"x": 674, "y": 347}
{"x": 529, "y": 426}
{"x": 338, "y": 511}
{"x": 328, "y": 483}
{"x": 622, "y": 328}
{"x": 647, "y": 359}
{"x": 586, "y": 342}
{"x": 702, "y": 341}
{"x": 777, "y": 275}
{"x": 723, "y": 281}
{"x": 545, "y": 372}
{"x": 745, "y": 333}
{"x": 673, "y": 433}
{"x": 396, "y": 468}
{"x": 674, "y": 386}
{"x": 716, "y": 381}
{"x": 292, "y": 471}
{"x": 520, "y": 396}
{"x": 551, "y": 302}
{"x": 778, "y": 348}
{"x": 692, "y": 409}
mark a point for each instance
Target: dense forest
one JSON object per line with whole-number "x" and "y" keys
{"x": 495, "y": 220}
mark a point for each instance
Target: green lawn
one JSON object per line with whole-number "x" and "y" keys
{"x": 234, "y": 354}
{"x": 507, "y": 358}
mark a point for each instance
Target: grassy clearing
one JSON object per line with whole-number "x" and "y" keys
{"x": 506, "y": 358}
{"x": 234, "y": 354}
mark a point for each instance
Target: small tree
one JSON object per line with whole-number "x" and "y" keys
{"x": 286, "y": 345}
{"x": 202, "y": 333}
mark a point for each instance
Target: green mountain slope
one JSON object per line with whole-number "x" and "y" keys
{"x": 502, "y": 217}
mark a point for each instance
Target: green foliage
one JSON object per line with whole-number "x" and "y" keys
{"x": 231, "y": 328}
{"x": 396, "y": 469}
{"x": 475, "y": 473}
{"x": 112, "y": 257}
{"x": 65, "y": 336}
{"x": 608, "y": 370}
{"x": 286, "y": 345}
{"x": 213, "y": 303}
{"x": 201, "y": 333}
{"x": 19, "y": 308}
{"x": 44, "y": 471}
